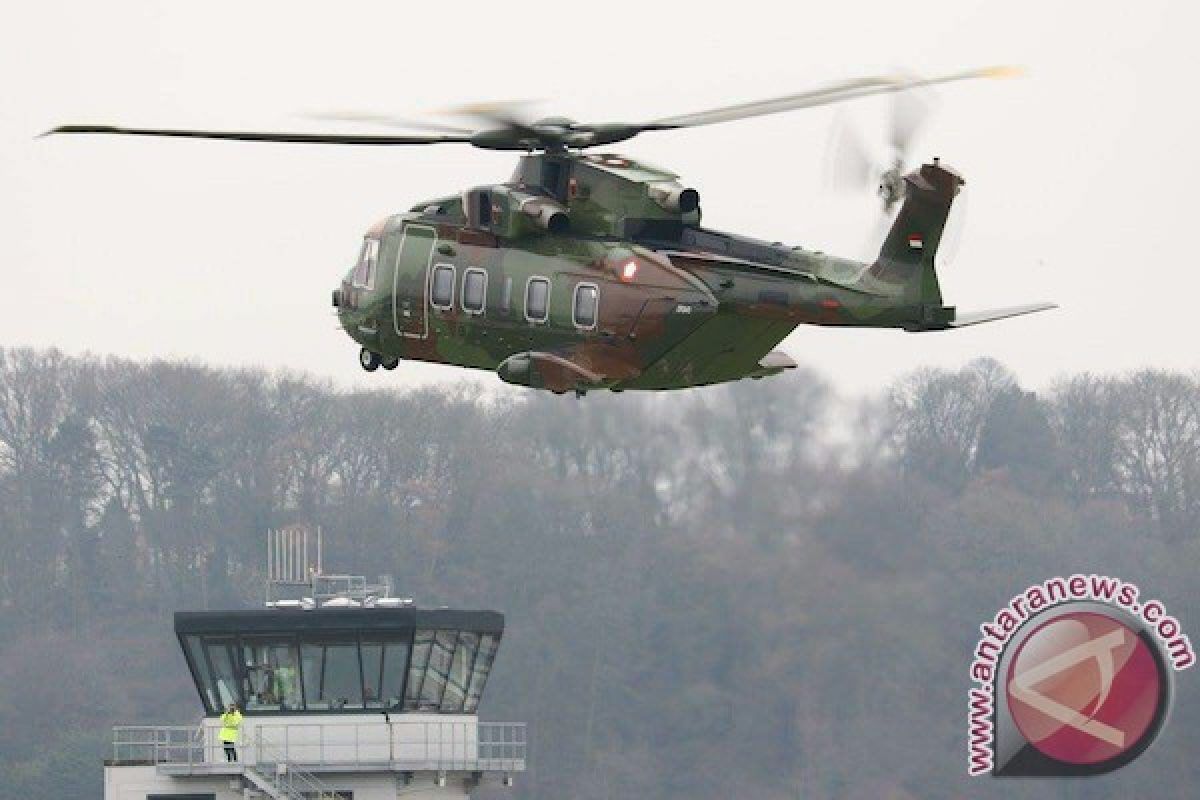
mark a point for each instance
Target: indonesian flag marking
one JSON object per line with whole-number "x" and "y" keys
{"x": 915, "y": 241}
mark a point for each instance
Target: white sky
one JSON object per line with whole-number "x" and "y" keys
{"x": 1082, "y": 174}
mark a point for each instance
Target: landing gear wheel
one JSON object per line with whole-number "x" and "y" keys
{"x": 368, "y": 360}
{"x": 390, "y": 363}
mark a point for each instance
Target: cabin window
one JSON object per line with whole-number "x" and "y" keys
{"x": 587, "y": 297}
{"x": 474, "y": 290}
{"x": 442, "y": 293}
{"x": 537, "y": 300}
{"x": 364, "y": 270}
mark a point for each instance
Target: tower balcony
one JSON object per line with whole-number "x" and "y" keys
{"x": 328, "y": 745}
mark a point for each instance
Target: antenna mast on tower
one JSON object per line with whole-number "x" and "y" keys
{"x": 296, "y": 576}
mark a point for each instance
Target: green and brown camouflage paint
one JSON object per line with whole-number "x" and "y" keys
{"x": 697, "y": 307}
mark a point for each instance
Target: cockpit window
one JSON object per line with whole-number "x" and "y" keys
{"x": 364, "y": 270}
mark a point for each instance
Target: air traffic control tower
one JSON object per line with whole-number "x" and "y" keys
{"x": 346, "y": 692}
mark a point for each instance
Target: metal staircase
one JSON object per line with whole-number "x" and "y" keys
{"x": 282, "y": 780}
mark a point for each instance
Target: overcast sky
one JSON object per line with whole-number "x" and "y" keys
{"x": 1082, "y": 175}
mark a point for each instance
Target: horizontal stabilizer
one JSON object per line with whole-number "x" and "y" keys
{"x": 977, "y": 317}
{"x": 773, "y": 364}
{"x": 776, "y": 360}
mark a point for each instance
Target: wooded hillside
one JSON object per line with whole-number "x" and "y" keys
{"x": 708, "y": 594}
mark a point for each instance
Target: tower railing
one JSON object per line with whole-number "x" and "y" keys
{"x": 396, "y": 745}
{"x": 402, "y": 745}
{"x": 160, "y": 744}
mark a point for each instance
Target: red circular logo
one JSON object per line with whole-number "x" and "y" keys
{"x": 1084, "y": 688}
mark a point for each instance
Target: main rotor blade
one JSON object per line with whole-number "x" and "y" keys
{"x": 834, "y": 93}
{"x": 249, "y": 136}
{"x": 512, "y": 130}
{"x": 388, "y": 121}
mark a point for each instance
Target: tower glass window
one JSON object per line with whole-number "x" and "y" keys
{"x": 271, "y": 675}
{"x": 361, "y": 660}
{"x": 440, "y": 657}
{"x": 459, "y": 678}
{"x": 221, "y": 661}
{"x": 422, "y": 643}
{"x": 395, "y": 664}
{"x": 384, "y": 666}
{"x": 372, "y": 667}
{"x": 480, "y": 671}
{"x": 195, "y": 655}
{"x": 332, "y": 677}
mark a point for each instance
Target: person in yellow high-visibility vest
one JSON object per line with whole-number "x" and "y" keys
{"x": 231, "y": 724}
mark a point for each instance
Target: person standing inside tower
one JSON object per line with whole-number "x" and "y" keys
{"x": 231, "y": 723}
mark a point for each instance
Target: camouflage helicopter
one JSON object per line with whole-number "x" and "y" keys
{"x": 592, "y": 271}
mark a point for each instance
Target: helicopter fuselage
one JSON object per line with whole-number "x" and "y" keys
{"x": 592, "y": 271}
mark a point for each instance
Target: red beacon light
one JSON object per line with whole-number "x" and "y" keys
{"x": 629, "y": 271}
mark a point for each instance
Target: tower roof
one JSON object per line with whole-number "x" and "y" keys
{"x": 268, "y": 620}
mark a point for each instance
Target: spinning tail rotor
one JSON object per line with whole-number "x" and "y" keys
{"x": 853, "y": 166}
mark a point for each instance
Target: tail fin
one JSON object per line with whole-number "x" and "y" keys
{"x": 906, "y": 260}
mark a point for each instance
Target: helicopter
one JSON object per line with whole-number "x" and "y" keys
{"x": 589, "y": 271}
